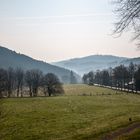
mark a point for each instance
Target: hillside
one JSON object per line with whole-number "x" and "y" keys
{"x": 134, "y": 60}
{"x": 10, "y": 58}
{"x": 95, "y": 62}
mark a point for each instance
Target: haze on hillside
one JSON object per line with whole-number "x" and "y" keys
{"x": 9, "y": 58}
{"x": 54, "y": 30}
{"x": 96, "y": 62}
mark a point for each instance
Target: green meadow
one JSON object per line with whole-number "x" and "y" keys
{"x": 82, "y": 113}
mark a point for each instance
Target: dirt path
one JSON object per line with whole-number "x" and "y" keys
{"x": 126, "y": 130}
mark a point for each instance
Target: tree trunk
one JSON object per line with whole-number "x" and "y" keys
{"x": 49, "y": 91}
{"x": 21, "y": 91}
{"x": 132, "y": 88}
{"x": 9, "y": 93}
{"x": 30, "y": 91}
{"x": 18, "y": 91}
{"x": 49, "y": 94}
{"x": 0, "y": 94}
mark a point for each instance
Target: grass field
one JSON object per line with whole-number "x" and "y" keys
{"x": 83, "y": 112}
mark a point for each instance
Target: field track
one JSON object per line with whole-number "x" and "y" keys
{"x": 122, "y": 131}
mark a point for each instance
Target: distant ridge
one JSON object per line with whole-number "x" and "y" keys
{"x": 95, "y": 62}
{"x": 9, "y": 58}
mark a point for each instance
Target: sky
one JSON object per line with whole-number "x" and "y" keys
{"x": 54, "y": 30}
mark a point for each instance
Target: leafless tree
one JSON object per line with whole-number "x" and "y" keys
{"x": 19, "y": 80}
{"x": 137, "y": 79}
{"x": 28, "y": 80}
{"x": 52, "y": 84}
{"x": 128, "y": 12}
{"x": 10, "y": 80}
{"x": 121, "y": 76}
{"x": 36, "y": 80}
{"x": 88, "y": 78}
{"x": 105, "y": 78}
{"x": 131, "y": 69}
{"x": 3, "y": 81}
{"x": 33, "y": 79}
{"x": 98, "y": 77}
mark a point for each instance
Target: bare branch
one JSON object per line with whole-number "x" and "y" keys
{"x": 128, "y": 12}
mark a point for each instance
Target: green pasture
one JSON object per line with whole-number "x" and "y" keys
{"x": 82, "y": 113}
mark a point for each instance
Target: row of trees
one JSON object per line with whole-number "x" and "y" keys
{"x": 120, "y": 77}
{"x": 15, "y": 80}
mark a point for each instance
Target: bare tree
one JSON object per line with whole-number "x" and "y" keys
{"x": 10, "y": 80}
{"x": 36, "y": 80}
{"x": 28, "y": 80}
{"x": 98, "y": 77}
{"x": 3, "y": 81}
{"x": 33, "y": 79}
{"x": 128, "y": 12}
{"x": 19, "y": 80}
{"x": 90, "y": 78}
{"x": 52, "y": 84}
{"x": 121, "y": 76}
{"x": 137, "y": 79}
{"x": 105, "y": 78}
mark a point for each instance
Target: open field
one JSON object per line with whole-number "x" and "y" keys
{"x": 73, "y": 116}
{"x": 87, "y": 90}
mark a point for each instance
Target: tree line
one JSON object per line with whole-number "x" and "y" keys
{"x": 13, "y": 82}
{"x": 121, "y": 77}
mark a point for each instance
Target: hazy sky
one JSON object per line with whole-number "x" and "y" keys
{"x": 53, "y": 30}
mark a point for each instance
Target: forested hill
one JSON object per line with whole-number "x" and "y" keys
{"x": 10, "y": 58}
{"x": 95, "y": 62}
